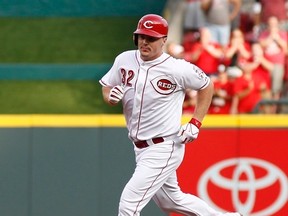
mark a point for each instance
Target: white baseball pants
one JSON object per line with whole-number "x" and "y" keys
{"x": 155, "y": 177}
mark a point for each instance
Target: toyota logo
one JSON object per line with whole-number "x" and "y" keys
{"x": 252, "y": 184}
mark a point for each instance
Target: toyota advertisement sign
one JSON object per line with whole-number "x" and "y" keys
{"x": 240, "y": 169}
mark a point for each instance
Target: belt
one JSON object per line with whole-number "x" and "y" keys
{"x": 143, "y": 143}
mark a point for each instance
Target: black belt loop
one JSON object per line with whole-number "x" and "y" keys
{"x": 143, "y": 143}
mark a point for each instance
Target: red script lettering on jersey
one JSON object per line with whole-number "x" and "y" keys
{"x": 163, "y": 84}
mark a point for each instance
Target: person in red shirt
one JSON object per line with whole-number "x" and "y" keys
{"x": 261, "y": 67}
{"x": 259, "y": 64}
{"x": 247, "y": 92}
{"x": 205, "y": 54}
{"x": 223, "y": 89}
{"x": 238, "y": 50}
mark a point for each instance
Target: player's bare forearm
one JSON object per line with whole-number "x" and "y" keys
{"x": 105, "y": 93}
{"x": 204, "y": 98}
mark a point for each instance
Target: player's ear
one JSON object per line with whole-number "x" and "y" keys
{"x": 164, "y": 40}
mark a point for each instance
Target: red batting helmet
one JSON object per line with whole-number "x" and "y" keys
{"x": 152, "y": 25}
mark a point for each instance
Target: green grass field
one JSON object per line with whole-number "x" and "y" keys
{"x": 60, "y": 40}
{"x": 53, "y": 97}
{"x": 65, "y": 40}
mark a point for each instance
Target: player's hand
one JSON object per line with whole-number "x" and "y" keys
{"x": 189, "y": 131}
{"x": 116, "y": 94}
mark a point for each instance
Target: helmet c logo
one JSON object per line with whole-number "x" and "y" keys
{"x": 148, "y": 24}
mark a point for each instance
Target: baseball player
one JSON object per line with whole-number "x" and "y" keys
{"x": 151, "y": 85}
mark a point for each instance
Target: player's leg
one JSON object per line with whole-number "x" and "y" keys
{"x": 154, "y": 165}
{"x": 170, "y": 198}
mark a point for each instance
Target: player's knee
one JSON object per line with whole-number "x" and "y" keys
{"x": 171, "y": 201}
{"x": 163, "y": 201}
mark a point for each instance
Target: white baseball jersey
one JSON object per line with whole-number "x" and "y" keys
{"x": 153, "y": 92}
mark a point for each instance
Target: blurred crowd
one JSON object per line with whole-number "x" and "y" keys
{"x": 244, "y": 53}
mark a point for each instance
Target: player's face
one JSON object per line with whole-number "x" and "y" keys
{"x": 150, "y": 47}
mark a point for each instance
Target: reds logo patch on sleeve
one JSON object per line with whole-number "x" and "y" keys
{"x": 164, "y": 85}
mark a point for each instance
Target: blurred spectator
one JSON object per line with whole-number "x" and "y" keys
{"x": 285, "y": 85}
{"x": 175, "y": 50}
{"x": 262, "y": 67}
{"x": 259, "y": 64}
{"x": 248, "y": 23}
{"x": 206, "y": 54}
{"x": 219, "y": 15}
{"x": 247, "y": 92}
{"x": 233, "y": 73}
{"x": 223, "y": 89}
{"x": 264, "y": 9}
{"x": 189, "y": 102}
{"x": 247, "y": 26}
{"x": 193, "y": 16}
{"x": 189, "y": 38}
{"x": 274, "y": 42}
{"x": 238, "y": 50}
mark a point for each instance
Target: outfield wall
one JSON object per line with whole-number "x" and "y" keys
{"x": 40, "y": 8}
{"x": 53, "y": 71}
{"x": 78, "y": 164}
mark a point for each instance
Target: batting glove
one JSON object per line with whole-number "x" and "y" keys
{"x": 116, "y": 94}
{"x": 189, "y": 131}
